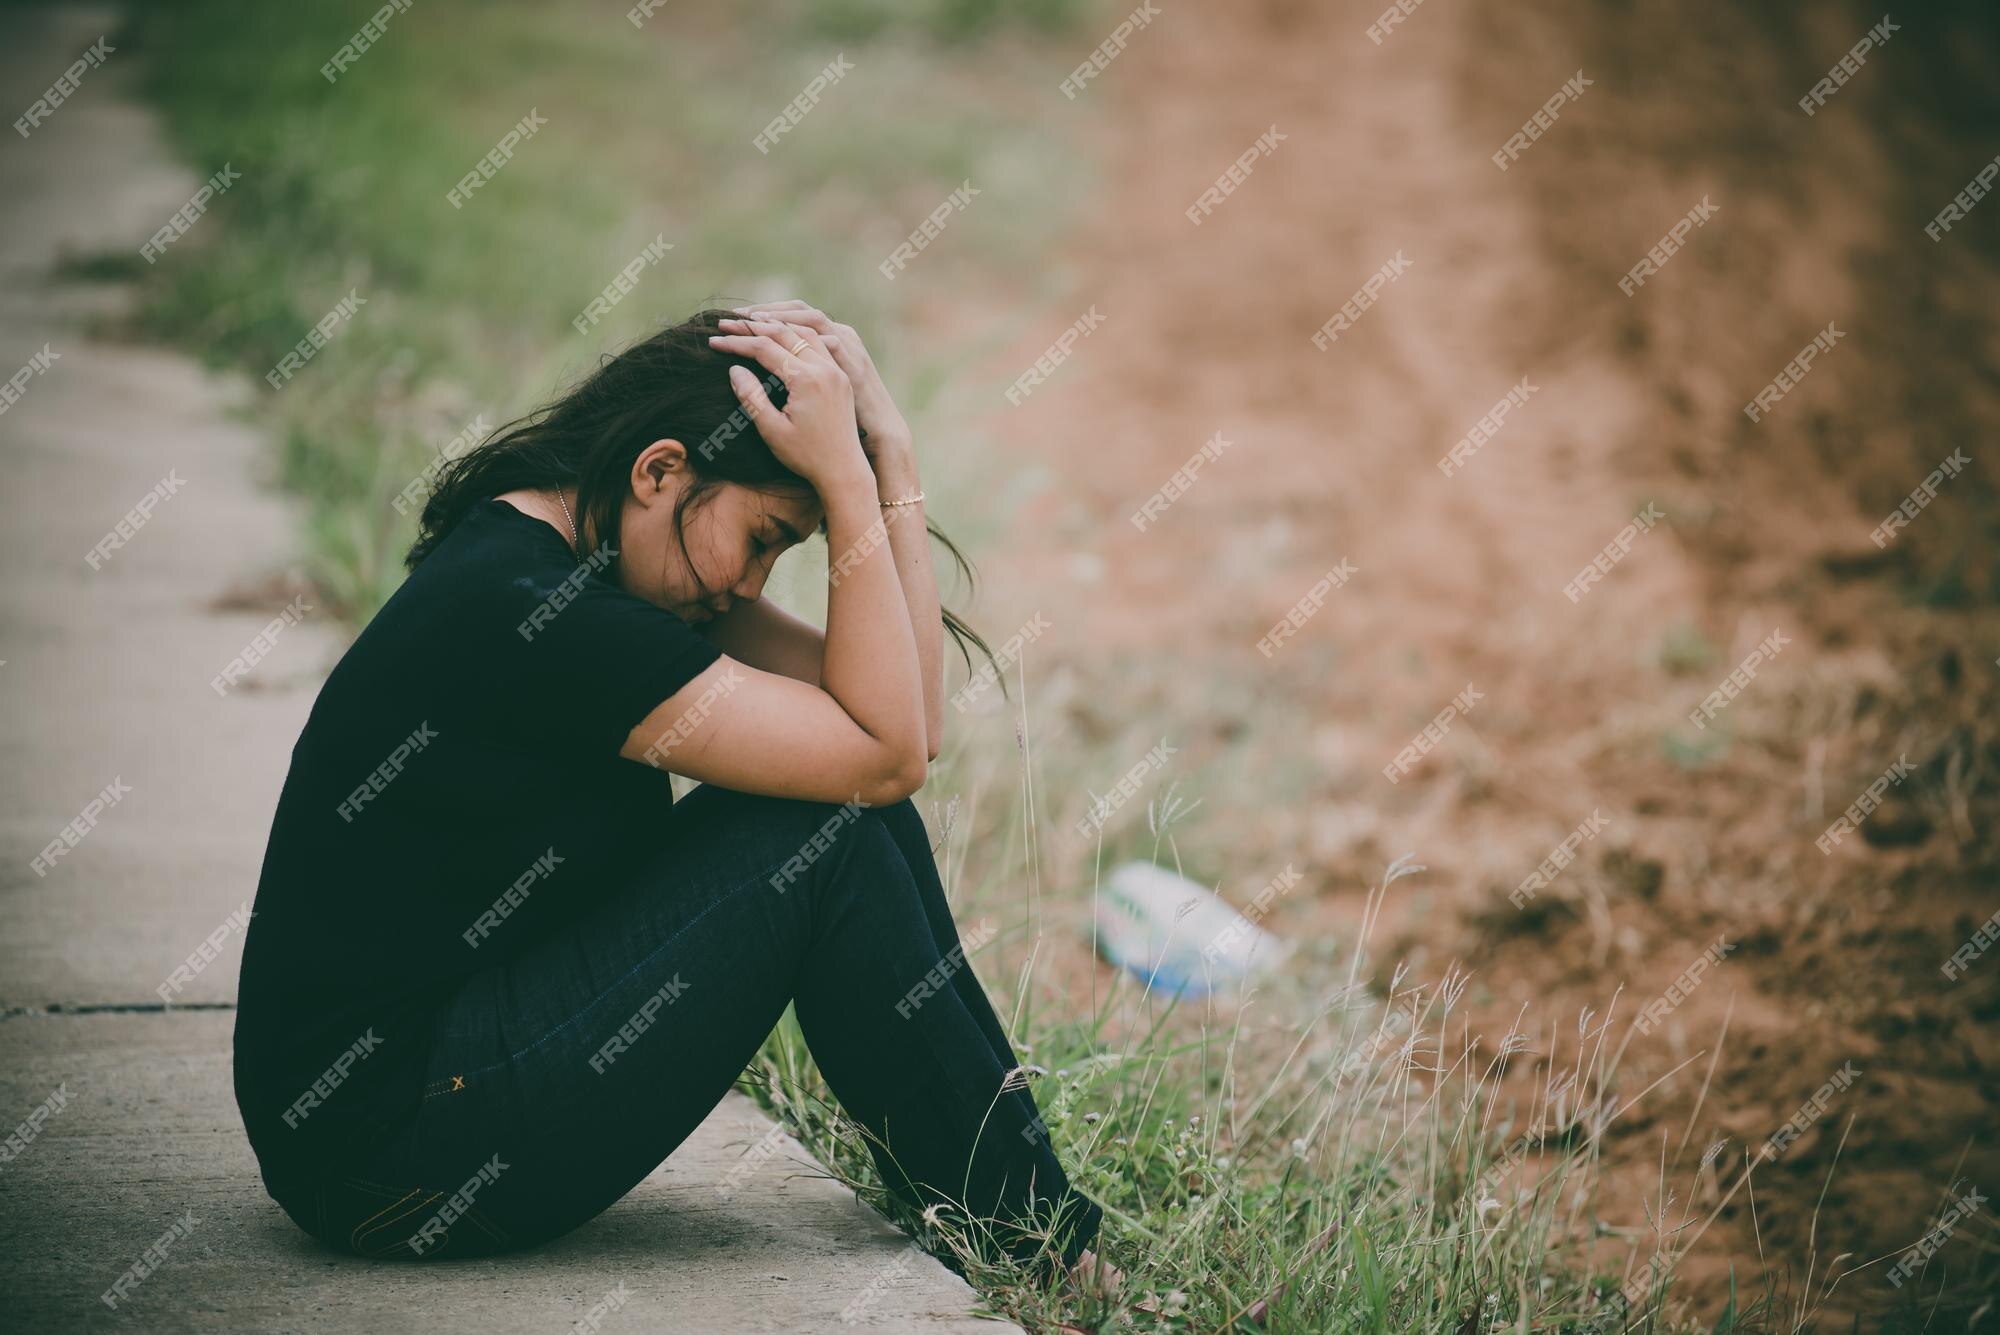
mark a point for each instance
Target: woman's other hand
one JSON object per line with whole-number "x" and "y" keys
{"x": 882, "y": 424}
{"x": 815, "y": 434}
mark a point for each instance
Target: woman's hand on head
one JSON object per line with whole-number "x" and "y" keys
{"x": 882, "y": 422}
{"x": 815, "y": 434}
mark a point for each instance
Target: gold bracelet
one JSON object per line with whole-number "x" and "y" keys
{"x": 907, "y": 500}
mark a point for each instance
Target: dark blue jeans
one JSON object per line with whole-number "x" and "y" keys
{"x": 561, "y": 1078}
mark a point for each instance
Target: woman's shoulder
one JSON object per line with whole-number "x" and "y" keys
{"x": 495, "y": 552}
{"x": 501, "y": 569}
{"x": 481, "y": 578}
{"x": 495, "y": 526}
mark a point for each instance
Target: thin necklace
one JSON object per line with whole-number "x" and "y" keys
{"x": 576, "y": 543}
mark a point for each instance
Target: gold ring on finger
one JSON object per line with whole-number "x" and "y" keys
{"x": 798, "y": 345}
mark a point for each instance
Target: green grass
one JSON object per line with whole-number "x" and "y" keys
{"x": 1288, "y": 1146}
{"x": 1347, "y": 1151}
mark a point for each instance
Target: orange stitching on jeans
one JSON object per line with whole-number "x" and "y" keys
{"x": 390, "y": 1247}
{"x": 354, "y": 1237}
{"x": 449, "y": 1085}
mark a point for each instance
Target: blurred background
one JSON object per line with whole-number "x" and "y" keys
{"x": 1528, "y": 1137}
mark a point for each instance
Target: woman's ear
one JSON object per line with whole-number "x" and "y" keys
{"x": 659, "y": 470}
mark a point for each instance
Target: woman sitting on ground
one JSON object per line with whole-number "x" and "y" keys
{"x": 495, "y": 973}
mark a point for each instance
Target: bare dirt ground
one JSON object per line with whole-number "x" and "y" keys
{"x": 1892, "y": 655}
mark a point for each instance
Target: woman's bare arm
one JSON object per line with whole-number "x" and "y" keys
{"x": 888, "y": 445}
{"x": 896, "y": 476}
{"x": 766, "y": 636}
{"x": 860, "y": 732}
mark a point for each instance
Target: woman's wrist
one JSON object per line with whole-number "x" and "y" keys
{"x": 844, "y": 470}
{"x": 896, "y": 473}
{"x": 847, "y": 487}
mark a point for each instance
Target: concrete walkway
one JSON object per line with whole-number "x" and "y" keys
{"x": 109, "y": 727}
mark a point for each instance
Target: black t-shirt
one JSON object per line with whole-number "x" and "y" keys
{"x": 457, "y": 793}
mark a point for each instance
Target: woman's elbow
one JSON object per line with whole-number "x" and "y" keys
{"x": 900, "y": 781}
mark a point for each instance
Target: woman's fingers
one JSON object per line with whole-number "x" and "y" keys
{"x": 817, "y": 429}
{"x": 798, "y": 340}
{"x": 785, "y": 333}
{"x": 763, "y": 350}
{"x": 877, "y": 412}
{"x": 764, "y": 414}
{"x": 836, "y": 334}
{"x": 788, "y": 334}
{"x": 798, "y": 313}
{"x": 841, "y": 341}
{"x": 799, "y": 356}
{"x": 794, "y": 312}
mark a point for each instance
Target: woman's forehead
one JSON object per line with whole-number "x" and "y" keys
{"x": 801, "y": 514}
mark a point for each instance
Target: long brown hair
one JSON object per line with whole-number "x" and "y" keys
{"x": 672, "y": 385}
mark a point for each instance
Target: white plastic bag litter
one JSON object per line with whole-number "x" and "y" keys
{"x": 1178, "y": 937}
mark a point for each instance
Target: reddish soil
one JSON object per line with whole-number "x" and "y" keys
{"x": 1583, "y": 706}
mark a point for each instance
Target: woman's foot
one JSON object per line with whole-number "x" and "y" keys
{"x": 1093, "y": 1274}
